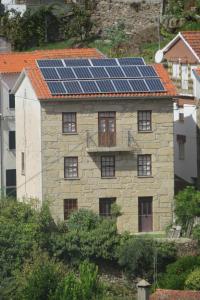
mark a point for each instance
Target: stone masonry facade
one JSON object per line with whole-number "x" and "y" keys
{"x": 126, "y": 186}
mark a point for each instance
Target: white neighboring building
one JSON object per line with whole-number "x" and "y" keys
{"x": 19, "y": 6}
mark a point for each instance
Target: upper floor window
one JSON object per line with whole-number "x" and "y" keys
{"x": 181, "y": 117}
{"x": 105, "y": 205}
{"x": 71, "y": 167}
{"x": 69, "y": 122}
{"x": 69, "y": 206}
{"x": 144, "y": 120}
{"x": 22, "y": 163}
{"x": 108, "y": 166}
{"x": 11, "y": 101}
{"x": 11, "y": 140}
{"x": 176, "y": 70}
{"x": 144, "y": 165}
{"x": 181, "y": 139}
{"x": 11, "y": 183}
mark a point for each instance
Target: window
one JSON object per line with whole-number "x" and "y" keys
{"x": 69, "y": 206}
{"x": 176, "y": 70}
{"x": 181, "y": 117}
{"x": 11, "y": 183}
{"x": 71, "y": 167}
{"x": 22, "y": 164}
{"x": 105, "y": 206}
{"x": 181, "y": 139}
{"x": 11, "y": 101}
{"x": 107, "y": 166}
{"x": 11, "y": 140}
{"x": 144, "y": 120}
{"x": 69, "y": 122}
{"x": 144, "y": 165}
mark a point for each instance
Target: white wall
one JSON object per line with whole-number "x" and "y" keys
{"x": 10, "y": 4}
{"x": 186, "y": 168}
{"x": 28, "y": 140}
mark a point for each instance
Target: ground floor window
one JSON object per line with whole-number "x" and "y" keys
{"x": 145, "y": 218}
{"x": 105, "y": 206}
{"x": 11, "y": 183}
{"x": 69, "y": 206}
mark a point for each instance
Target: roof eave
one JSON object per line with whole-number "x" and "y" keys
{"x": 18, "y": 82}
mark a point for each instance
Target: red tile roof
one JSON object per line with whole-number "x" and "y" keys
{"x": 14, "y": 62}
{"x": 193, "y": 39}
{"x": 42, "y": 90}
{"x": 175, "y": 295}
{"x": 197, "y": 71}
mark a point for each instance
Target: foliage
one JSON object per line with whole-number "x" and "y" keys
{"x": 187, "y": 206}
{"x": 177, "y": 272}
{"x": 87, "y": 286}
{"x": 118, "y": 37}
{"x": 193, "y": 280}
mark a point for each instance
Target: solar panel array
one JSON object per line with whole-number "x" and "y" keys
{"x": 95, "y": 76}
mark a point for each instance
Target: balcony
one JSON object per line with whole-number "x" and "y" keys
{"x": 121, "y": 141}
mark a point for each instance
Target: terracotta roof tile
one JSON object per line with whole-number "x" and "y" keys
{"x": 43, "y": 92}
{"x": 14, "y": 62}
{"x": 197, "y": 71}
{"x": 193, "y": 39}
{"x": 175, "y": 295}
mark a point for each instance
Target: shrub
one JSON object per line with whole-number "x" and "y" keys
{"x": 177, "y": 272}
{"x": 193, "y": 280}
{"x": 166, "y": 254}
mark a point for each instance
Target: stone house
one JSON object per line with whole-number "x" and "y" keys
{"x": 181, "y": 56}
{"x": 90, "y": 133}
{"x": 11, "y": 65}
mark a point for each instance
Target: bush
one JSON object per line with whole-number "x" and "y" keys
{"x": 176, "y": 273}
{"x": 193, "y": 280}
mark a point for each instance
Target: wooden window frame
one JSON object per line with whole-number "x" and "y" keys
{"x": 141, "y": 126}
{"x": 69, "y": 205}
{"x": 144, "y": 164}
{"x": 104, "y": 199}
{"x": 69, "y": 122}
{"x": 107, "y": 167}
{"x": 68, "y": 167}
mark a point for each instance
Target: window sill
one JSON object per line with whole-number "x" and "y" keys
{"x": 75, "y": 178}
{"x": 109, "y": 177}
{"x": 12, "y": 150}
{"x": 147, "y": 131}
{"x": 70, "y": 133}
{"x": 150, "y": 176}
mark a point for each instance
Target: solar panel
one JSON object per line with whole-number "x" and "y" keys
{"x": 66, "y": 73}
{"x": 134, "y": 61}
{"x": 73, "y": 87}
{"x": 131, "y": 72}
{"x": 147, "y": 71}
{"x": 77, "y": 62}
{"x": 138, "y": 85}
{"x": 98, "y": 72}
{"x": 82, "y": 73}
{"x": 154, "y": 85}
{"x": 89, "y": 87}
{"x": 104, "y": 62}
{"x": 115, "y": 72}
{"x": 56, "y": 87}
{"x": 50, "y": 63}
{"x": 49, "y": 73}
{"x": 122, "y": 85}
{"x": 105, "y": 86}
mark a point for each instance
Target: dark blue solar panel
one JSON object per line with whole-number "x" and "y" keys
{"x": 49, "y": 73}
{"x": 138, "y": 85}
{"x": 122, "y": 85}
{"x": 98, "y": 72}
{"x": 89, "y": 87}
{"x": 73, "y": 87}
{"x": 105, "y": 86}
{"x": 56, "y": 87}
{"x": 147, "y": 71}
{"x": 131, "y": 72}
{"x": 133, "y": 61}
{"x": 115, "y": 72}
{"x": 154, "y": 85}
{"x": 82, "y": 73}
{"x": 77, "y": 62}
{"x": 50, "y": 63}
{"x": 66, "y": 73}
{"x": 104, "y": 62}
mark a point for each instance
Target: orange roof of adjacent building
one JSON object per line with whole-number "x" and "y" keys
{"x": 15, "y": 62}
{"x": 197, "y": 71}
{"x": 42, "y": 91}
{"x": 193, "y": 39}
{"x": 175, "y": 295}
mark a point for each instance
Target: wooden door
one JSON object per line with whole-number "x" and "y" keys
{"x": 107, "y": 129}
{"x": 145, "y": 214}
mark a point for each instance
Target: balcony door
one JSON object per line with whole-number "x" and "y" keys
{"x": 107, "y": 129}
{"x": 145, "y": 214}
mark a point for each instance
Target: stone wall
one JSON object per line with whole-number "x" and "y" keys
{"x": 140, "y": 17}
